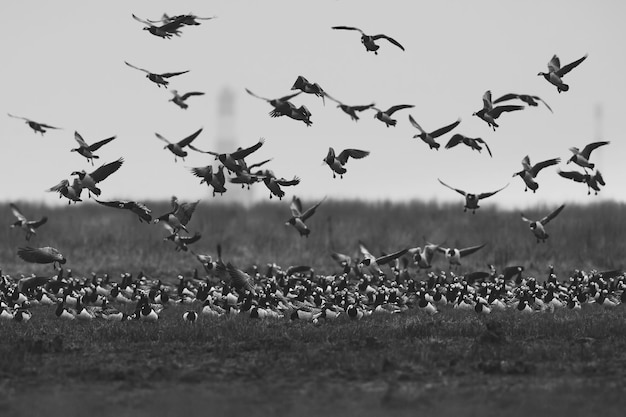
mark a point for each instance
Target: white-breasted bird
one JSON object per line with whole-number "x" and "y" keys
{"x": 454, "y": 255}
{"x": 88, "y": 150}
{"x": 556, "y": 72}
{"x": 36, "y": 126}
{"x": 158, "y": 79}
{"x": 529, "y": 172}
{"x": 298, "y": 217}
{"x": 177, "y": 148}
{"x": 489, "y": 113}
{"x": 385, "y": 116}
{"x": 89, "y": 180}
{"x": 537, "y": 226}
{"x": 337, "y": 162}
{"x": 22, "y": 222}
{"x": 471, "y": 199}
{"x": 429, "y": 137}
{"x": 581, "y": 158}
{"x": 179, "y": 100}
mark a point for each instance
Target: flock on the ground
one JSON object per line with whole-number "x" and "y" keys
{"x": 312, "y": 295}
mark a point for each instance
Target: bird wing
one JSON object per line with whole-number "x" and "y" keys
{"x": 296, "y": 206}
{"x": 554, "y": 64}
{"x": 480, "y": 140}
{"x": 19, "y": 117}
{"x": 187, "y": 240}
{"x": 60, "y": 185}
{"x": 202, "y": 172}
{"x": 112, "y": 203}
{"x": 455, "y": 140}
{"x": 572, "y": 175}
{"x": 363, "y": 107}
{"x": 586, "y": 152}
{"x": 351, "y": 153}
{"x": 39, "y": 255}
{"x": 311, "y": 210}
{"x": 390, "y": 39}
{"x": 258, "y": 164}
{"x": 415, "y": 124}
{"x": 395, "y": 108}
{"x": 543, "y": 101}
{"x": 497, "y": 111}
{"x": 567, "y": 68}
{"x": 240, "y": 279}
{"x": 463, "y": 193}
{"x": 105, "y": 170}
{"x": 445, "y": 129}
{"x": 80, "y": 140}
{"x": 189, "y": 138}
{"x": 172, "y": 74}
{"x": 242, "y": 153}
{"x": 526, "y": 219}
{"x": 506, "y": 97}
{"x": 254, "y": 95}
{"x": 39, "y": 222}
{"x": 137, "y": 68}
{"x": 184, "y": 211}
{"x": 145, "y": 22}
{"x": 485, "y": 195}
{"x": 286, "y": 183}
{"x": 366, "y": 253}
{"x": 341, "y": 258}
{"x": 95, "y": 146}
{"x": 390, "y": 257}
{"x": 162, "y": 138}
{"x": 487, "y": 103}
{"x": 17, "y": 213}
{"x": 541, "y": 165}
{"x": 552, "y": 215}
{"x": 347, "y": 28}
{"x": 190, "y": 94}
{"x": 468, "y": 251}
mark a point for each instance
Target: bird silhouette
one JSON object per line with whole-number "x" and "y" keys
{"x": 179, "y": 100}
{"x": 298, "y": 217}
{"x": 429, "y": 138}
{"x": 36, "y": 126}
{"x": 473, "y": 143}
{"x": 556, "y": 73}
{"x": 142, "y": 212}
{"x": 177, "y": 148}
{"x": 337, "y": 162}
{"x": 158, "y": 79}
{"x": 471, "y": 199}
{"x": 537, "y": 226}
{"x": 529, "y": 172}
{"x": 29, "y": 226}
{"x": 88, "y": 150}
{"x": 89, "y": 180}
{"x": 489, "y": 114}
{"x": 385, "y": 116}
{"x": 581, "y": 158}
{"x": 369, "y": 40}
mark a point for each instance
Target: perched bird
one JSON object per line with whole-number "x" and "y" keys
{"x": 179, "y": 216}
{"x": 177, "y": 147}
{"x": 556, "y": 72}
{"x": 282, "y": 105}
{"x": 368, "y": 40}
{"x": 537, "y": 227}
{"x": 180, "y": 100}
{"x": 454, "y": 255}
{"x": 471, "y": 200}
{"x": 90, "y": 180}
{"x": 429, "y": 138}
{"x": 581, "y": 158}
{"x": 526, "y": 98}
{"x": 473, "y": 143}
{"x": 593, "y": 181}
{"x": 36, "y": 126}
{"x": 298, "y": 217}
{"x": 166, "y": 30}
{"x": 307, "y": 87}
{"x": 88, "y": 150}
{"x": 158, "y": 79}
{"x": 71, "y": 192}
{"x": 142, "y": 212}
{"x": 489, "y": 113}
{"x": 337, "y": 162}
{"x": 44, "y": 255}
{"x": 274, "y": 184}
{"x": 28, "y": 226}
{"x": 385, "y": 116}
{"x": 351, "y": 110}
{"x": 529, "y": 172}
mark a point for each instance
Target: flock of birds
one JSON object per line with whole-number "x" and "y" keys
{"x": 362, "y": 287}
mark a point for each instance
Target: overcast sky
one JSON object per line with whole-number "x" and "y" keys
{"x": 63, "y": 64}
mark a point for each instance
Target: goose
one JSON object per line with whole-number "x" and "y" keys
{"x": 71, "y": 192}
{"x": 28, "y": 226}
{"x": 164, "y": 31}
{"x": 179, "y": 216}
{"x": 245, "y": 177}
{"x": 337, "y": 162}
{"x": 307, "y": 87}
{"x": 186, "y": 19}
{"x": 581, "y": 158}
{"x": 88, "y": 150}
{"x": 526, "y": 98}
{"x": 530, "y": 172}
{"x": 473, "y": 143}
{"x": 190, "y": 316}
{"x": 90, "y": 180}
{"x": 489, "y": 113}
{"x": 180, "y": 100}
{"x": 385, "y": 116}
{"x": 298, "y": 217}
{"x": 373, "y": 262}
{"x": 282, "y": 105}
{"x": 556, "y": 72}
{"x": 351, "y": 110}
{"x": 180, "y": 242}
{"x": 273, "y": 183}
{"x": 240, "y": 280}
{"x": 471, "y": 199}
{"x": 144, "y": 311}
{"x": 217, "y": 180}
{"x": 454, "y": 255}
{"x": 425, "y": 305}
{"x": 81, "y": 312}
{"x": 423, "y": 256}
{"x": 36, "y": 126}
{"x": 429, "y": 138}
{"x": 290, "y": 110}
{"x": 593, "y": 181}
{"x": 537, "y": 226}
{"x": 368, "y": 40}
{"x": 142, "y": 212}
{"x": 22, "y": 315}
{"x": 177, "y": 148}
{"x": 158, "y": 79}
{"x": 233, "y": 161}
{"x": 44, "y": 255}
{"x": 109, "y": 313}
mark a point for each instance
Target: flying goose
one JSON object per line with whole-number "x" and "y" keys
{"x": 373, "y": 262}
{"x": 429, "y": 138}
{"x": 158, "y": 79}
{"x": 71, "y": 192}
{"x": 556, "y": 72}
{"x": 177, "y": 147}
{"x": 489, "y": 113}
{"x": 526, "y": 98}
{"x": 28, "y": 226}
{"x": 385, "y": 116}
{"x": 245, "y": 177}
{"x": 454, "y": 255}
{"x": 185, "y": 19}
{"x": 537, "y": 227}
{"x": 142, "y": 212}
{"x": 529, "y": 172}
{"x": 273, "y": 183}
{"x": 88, "y": 150}
{"x": 368, "y": 40}
{"x": 232, "y": 161}
{"x": 281, "y": 105}
{"x": 473, "y": 143}
{"x": 298, "y": 217}
{"x": 593, "y": 181}
{"x": 180, "y": 242}
{"x": 351, "y": 110}
{"x": 217, "y": 180}
{"x": 180, "y": 100}
{"x": 581, "y": 158}
{"x": 36, "y": 126}
{"x": 423, "y": 256}
{"x": 166, "y": 30}
{"x": 44, "y": 255}
{"x": 307, "y": 87}
{"x": 90, "y": 180}
{"x": 471, "y": 200}
{"x": 337, "y": 162}
{"x": 180, "y": 214}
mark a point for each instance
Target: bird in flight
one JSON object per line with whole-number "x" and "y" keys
{"x": 142, "y": 212}
{"x": 180, "y": 242}
{"x": 28, "y": 226}
{"x": 298, "y": 217}
{"x": 233, "y": 161}
{"x": 36, "y": 126}
{"x": 307, "y": 87}
{"x": 556, "y": 72}
{"x": 471, "y": 199}
{"x": 373, "y": 262}
{"x": 581, "y": 158}
{"x": 71, "y": 192}
{"x": 180, "y": 100}
{"x": 179, "y": 216}
{"x": 474, "y": 143}
{"x": 101, "y": 173}
{"x": 44, "y": 255}
{"x": 594, "y": 181}
{"x": 337, "y": 162}
{"x": 529, "y": 172}
{"x": 429, "y": 138}
{"x": 385, "y": 116}
{"x": 454, "y": 255}
{"x": 351, "y": 110}
{"x": 273, "y": 183}
{"x": 217, "y": 180}
{"x": 489, "y": 113}
{"x": 165, "y": 30}
{"x": 537, "y": 227}
{"x": 158, "y": 79}
{"x": 177, "y": 148}
{"x": 526, "y": 98}
{"x": 185, "y": 19}
{"x": 369, "y": 40}
{"x": 88, "y": 150}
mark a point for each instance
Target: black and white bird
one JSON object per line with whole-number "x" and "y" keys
{"x": 88, "y": 150}
{"x": 142, "y": 212}
{"x": 177, "y": 148}
{"x": 281, "y": 105}
{"x": 337, "y": 162}
{"x": 369, "y": 40}
{"x": 71, "y": 192}
{"x": 556, "y": 73}
{"x": 529, "y": 172}
{"x": 385, "y": 116}
{"x": 89, "y": 180}
{"x": 308, "y": 87}
{"x": 165, "y": 30}
{"x": 180, "y": 242}
{"x": 234, "y": 161}
{"x": 593, "y": 181}
{"x": 489, "y": 113}
{"x": 537, "y": 226}
{"x": 351, "y": 110}
{"x": 473, "y": 143}
{"x": 471, "y": 199}
{"x": 298, "y": 217}
{"x": 274, "y": 184}
{"x": 179, "y": 216}
{"x": 429, "y": 137}
{"x": 29, "y": 226}
{"x": 190, "y": 316}
{"x": 179, "y": 100}
{"x": 373, "y": 262}
{"x": 581, "y": 158}
{"x": 454, "y": 255}
{"x": 158, "y": 79}
{"x": 36, "y": 126}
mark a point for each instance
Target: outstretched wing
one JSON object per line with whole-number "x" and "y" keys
{"x": 351, "y": 153}
{"x": 463, "y": 193}
{"x": 480, "y": 140}
{"x": 468, "y": 251}
{"x": 296, "y": 206}
{"x": 242, "y": 153}
{"x": 145, "y": 22}
{"x": 485, "y": 195}
{"x": 172, "y": 74}
{"x": 184, "y": 211}
{"x": 311, "y": 210}
{"x": 105, "y": 170}
{"x": 36, "y": 224}
{"x": 572, "y": 175}
{"x": 586, "y": 152}
{"x": 190, "y": 94}
{"x": 80, "y": 140}
{"x": 554, "y": 64}
{"x": 390, "y": 39}
{"x": 95, "y": 146}
{"x": 415, "y": 124}
{"x": 19, "y": 117}
{"x": 346, "y": 28}
{"x": 455, "y": 140}
{"x": 240, "y": 280}
{"x": 543, "y": 164}
{"x": 189, "y": 138}
{"x": 445, "y": 129}
{"x": 258, "y": 164}
{"x": 497, "y": 111}
{"x": 552, "y": 215}
{"x": 17, "y": 213}
{"x": 395, "y": 108}
{"x": 137, "y": 68}
{"x": 112, "y": 203}
{"x": 390, "y": 257}
{"x": 254, "y": 95}
{"x": 59, "y": 186}
{"x": 286, "y": 183}
{"x": 567, "y": 68}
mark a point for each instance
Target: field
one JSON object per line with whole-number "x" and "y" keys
{"x": 455, "y": 362}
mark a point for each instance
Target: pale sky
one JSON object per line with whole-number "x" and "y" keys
{"x": 63, "y": 65}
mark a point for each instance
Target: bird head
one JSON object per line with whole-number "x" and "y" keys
{"x": 81, "y": 174}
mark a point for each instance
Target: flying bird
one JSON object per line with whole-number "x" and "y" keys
{"x": 429, "y": 138}
{"x": 581, "y": 158}
{"x": 537, "y": 227}
{"x": 233, "y": 161}
{"x": 179, "y": 216}
{"x": 526, "y": 98}
{"x": 217, "y": 180}
{"x": 88, "y": 150}
{"x": 181, "y": 242}
{"x": 158, "y": 79}
{"x": 373, "y": 262}
{"x": 307, "y": 87}
{"x": 245, "y": 177}
{"x": 385, "y": 116}
{"x": 351, "y": 110}
{"x": 281, "y": 104}
{"x": 180, "y": 100}
{"x": 28, "y": 226}
{"x": 594, "y": 181}
{"x": 185, "y": 19}
{"x": 471, "y": 200}
{"x": 454, "y": 255}
{"x": 529, "y": 172}
{"x": 473, "y": 143}
{"x": 101, "y": 173}
{"x": 556, "y": 72}
{"x": 45, "y": 255}
{"x": 489, "y": 113}
{"x": 298, "y": 217}
{"x": 71, "y": 192}
{"x": 423, "y": 256}
{"x": 337, "y": 162}
{"x": 177, "y": 147}
{"x": 369, "y": 40}
{"x": 142, "y": 212}
{"x": 274, "y": 184}
{"x": 165, "y": 30}
{"x": 36, "y": 126}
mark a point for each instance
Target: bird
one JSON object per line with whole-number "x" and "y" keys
{"x": 556, "y": 72}
{"x": 158, "y": 79}
{"x": 186, "y": 19}
{"x": 368, "y": 40}
{"x": 181, "y": 242}
{"x": 489, "y": 113}
{"x": 166, "y": 30}
{"x": 28, "y": 226}
{"x": 581, "y": 158}
{"x": 177, "y": 148}
{"x": 337, "y": 162}
{"x": 179, "y": 216}
{"x": 298, "y": 217}
{"x": 351, "y": 110}
{"x": 537, "y": 227}
{"x": 373, "y": 262}
{"x": 88, "y": 150}
{"x": 423, "y": 256}
{"x": 90, "y": 180}
{"x": 71, "y": 192}
{"x": 454, "y": 255}
{"x": 529, "y": 172}
{"x": 281, "y": 104}
{"x": 429, "y": 138}
{"x": 190, "y": 316}
{"x": 180, "y": 100}
{"x": 307, "y": 87}
{"x": 245, "y": 177}
{"x": 43, "y": 255}
{"x": 593, "y": 181}
{"x": 142, "y": 212}
{"x": 232, "y": 161}
{"x": 526, "y": 98}
{"x": 290, "y": 110}
{"x": 273, "y": 183}
{"x": 36, "y": 126}
{"x": 473, "y": 143}
{"x": 385, "y": 116}
{"x": 471, "y": 199}
{"x": 217, "y": 180}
